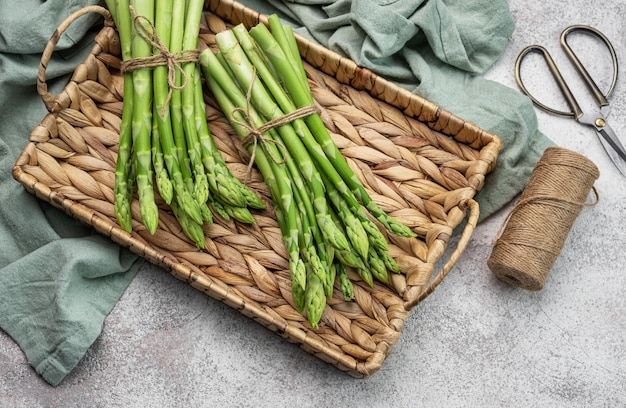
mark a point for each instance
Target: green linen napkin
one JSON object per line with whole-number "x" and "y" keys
{"x": 438, "y": 49}
{"x": 58, "y": 278}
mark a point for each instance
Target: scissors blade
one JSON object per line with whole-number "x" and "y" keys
{"x": 614, "y": 148}
{"x": 611, "y": 138}
{"x": 611, "y": 143}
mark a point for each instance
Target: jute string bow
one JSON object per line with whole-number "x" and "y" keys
{"x": 257, "y": 134}
{"x": 173, "y": 60}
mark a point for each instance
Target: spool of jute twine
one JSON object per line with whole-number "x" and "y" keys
{"x": 534, "y": 232}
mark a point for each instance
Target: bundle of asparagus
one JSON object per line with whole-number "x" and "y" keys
{"x": 164, "y": 134}
{"x": 258, "y": 79}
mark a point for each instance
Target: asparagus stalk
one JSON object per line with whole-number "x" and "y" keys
{"x": 142, "y": 118}
{"x": 321, "y": 251}
{"x": 314, "y": 298}
{"x": 176, "y": 110}
{"x": 345, "y": 283}
{"x": 347, "y": 257}
{"x": 112, "y": 6}
{"x": 297, "y": 293}
{"x": 218, "y": 173}
{"x": 376, "y": 266}
{"x": 190, "y": 42}
{"x": 284, "y": 37}
{"x": 331, "y": 276}
{"x": 309, "y": 250}
{"x": 205, "y": 213}
{"x": 192, "y": 229}
{"x": 123, "y": 189}
{"x": 164, "y": 185}
{"x": 292, "y": 45}
{"x": 241, "y": 214}
{"x": 218, "y": 207}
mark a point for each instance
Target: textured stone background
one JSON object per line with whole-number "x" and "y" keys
{"x": 475, "y": 342}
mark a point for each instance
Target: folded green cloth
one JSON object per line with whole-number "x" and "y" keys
{"x": 438, "y": 49}
{"x": 58, "y": 278}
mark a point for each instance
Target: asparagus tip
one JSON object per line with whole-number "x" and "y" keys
{"x": 122, "y": 212}
{"x": 314, "y": 299}
{"x": 149, "y": 215}
{"x": 164, "y": 185}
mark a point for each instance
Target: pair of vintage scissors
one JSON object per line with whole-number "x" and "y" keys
{"x": 598, "y": 120}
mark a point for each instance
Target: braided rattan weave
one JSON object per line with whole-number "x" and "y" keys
{"x": 420, "y": 163}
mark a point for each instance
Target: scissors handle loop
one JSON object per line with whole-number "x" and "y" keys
{"x": 575, "y": 112}
{"x": 599, "y": 96}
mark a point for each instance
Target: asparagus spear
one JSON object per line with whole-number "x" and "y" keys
{"x": 344, "y": 282}
{"x": 314, "y": 298}
{"x": 308, "y": 249}
{"x": 377, "y": 267}
{"x": 298, "y": 295}
{"x": 190, "y": 42}
{"x": 218, "y": 207}
{"x": 191, "y": 228}
{"x": 142, "y": 118}
{"x": 123, "y": 188}
{"x": 164, "y": 185}
{"x": 176, "y": 110}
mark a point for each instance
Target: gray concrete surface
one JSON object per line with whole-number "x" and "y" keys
{"x": 475, "y": 342}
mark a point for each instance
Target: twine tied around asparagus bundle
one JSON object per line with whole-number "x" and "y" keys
{"x": 173, "y": 60}
{"x": 533, "y": 234}
{"x": 257, "y": 134}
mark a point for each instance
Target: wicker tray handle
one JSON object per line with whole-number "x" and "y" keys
{"x": 454, "y": 257}
{"x": 42, "y": 87}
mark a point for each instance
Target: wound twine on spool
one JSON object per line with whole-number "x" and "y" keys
{"x": 536, "y": 228}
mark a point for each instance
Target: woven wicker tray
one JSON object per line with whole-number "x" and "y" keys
{"x": 420, "y": 163}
